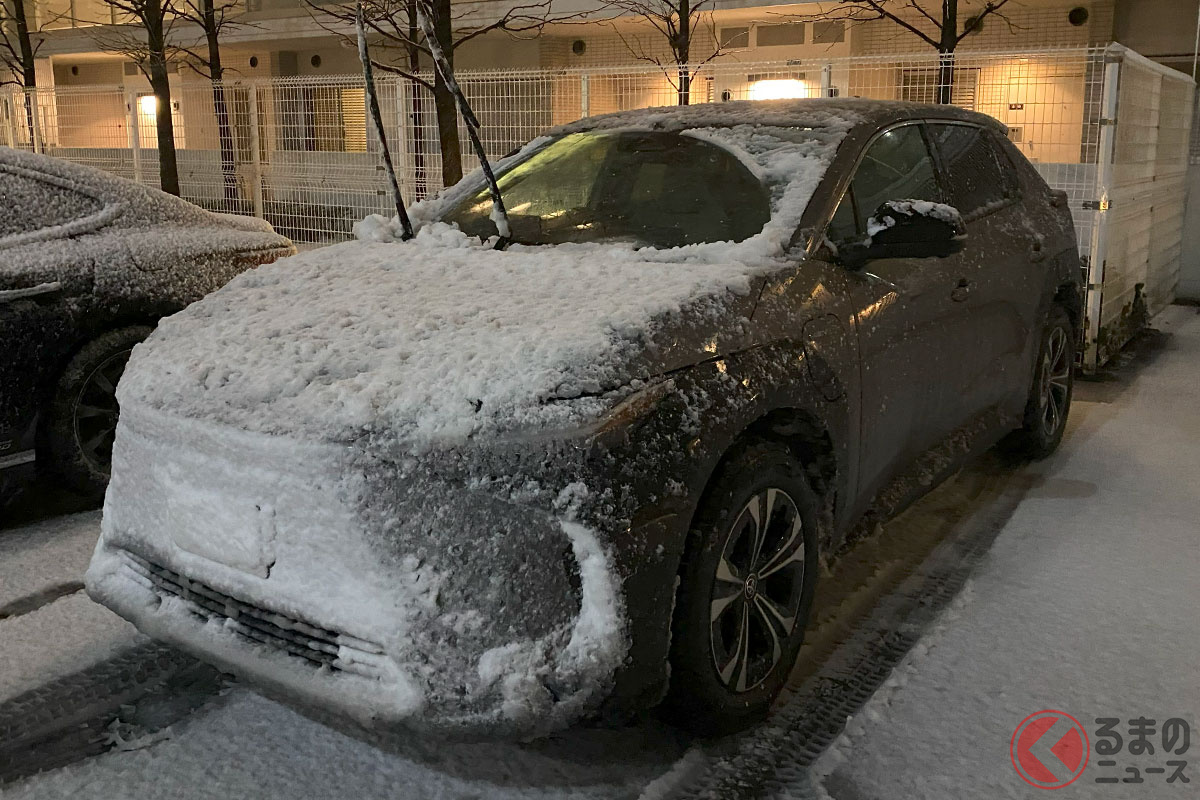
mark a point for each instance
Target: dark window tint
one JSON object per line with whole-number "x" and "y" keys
{"x": 829, "y": 32}
{"x": 735, "y": 37}
{"x": 896, "y": 166}
{"x": 843, "y": 227}
{"x": 786, "y": 33}
{"x": 978, "y": 175}
{"x": 31, "y": 205}
{"x": 659, "y": 189}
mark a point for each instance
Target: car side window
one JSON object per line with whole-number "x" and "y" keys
{"x": 844, "y": 227}
{"x": 895, "y": 166}
{"x": 978, "y": 179}
{"x": 32, "y": 205}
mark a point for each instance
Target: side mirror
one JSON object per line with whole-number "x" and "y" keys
{"x": 908, "y": 229}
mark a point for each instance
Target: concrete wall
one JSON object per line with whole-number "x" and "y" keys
{"x": 1163, "y": 30}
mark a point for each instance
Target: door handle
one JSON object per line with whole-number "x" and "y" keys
{"x": 962, "y": 291}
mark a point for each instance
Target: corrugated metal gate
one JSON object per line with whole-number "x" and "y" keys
{"x": 1104, "y": 124}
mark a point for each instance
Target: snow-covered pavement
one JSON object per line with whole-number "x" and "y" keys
{"x": 48, "y": 626}
{"x": 1086, "y": 604}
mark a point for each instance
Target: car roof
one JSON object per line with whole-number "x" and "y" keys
{"x": 803, "y": 113}
{"x": 104, "y": 186}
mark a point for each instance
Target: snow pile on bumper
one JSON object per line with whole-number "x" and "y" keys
{"x": 397, "y": 600}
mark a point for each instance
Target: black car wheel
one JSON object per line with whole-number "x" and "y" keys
{"x": 1050, "y": 395}
{"x": 82, "y": 419}
{"x": 746, "y": 590}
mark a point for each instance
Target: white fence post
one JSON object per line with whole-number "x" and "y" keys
{"x": 255, "y": 163}
{"x": 133, "y": 134}
{"x": 8, "y": 117}
{"x": 36, "y": 118}
{"x": 827, "y": 80}
{"x": 1099, "y": 245}
{"x": 584, "y": 100}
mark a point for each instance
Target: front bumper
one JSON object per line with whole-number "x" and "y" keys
{"x": 397, "y": 596}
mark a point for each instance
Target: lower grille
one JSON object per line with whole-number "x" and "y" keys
{"x": 317, "y": 646}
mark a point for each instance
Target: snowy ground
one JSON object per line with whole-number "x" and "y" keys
{"x": 48, "y": 626}
{"x": 1085, "y": 604}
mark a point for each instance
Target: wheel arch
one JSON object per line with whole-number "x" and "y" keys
{"x": 810, "y": 439}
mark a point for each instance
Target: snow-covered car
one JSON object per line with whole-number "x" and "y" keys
{"x": 459, "y": 483}
{"x": 88, "y": 264}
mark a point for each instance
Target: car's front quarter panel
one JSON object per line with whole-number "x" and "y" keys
{"x": 165, "y": 267}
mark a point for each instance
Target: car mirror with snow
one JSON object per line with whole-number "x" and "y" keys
{"x": 907, "y": 229}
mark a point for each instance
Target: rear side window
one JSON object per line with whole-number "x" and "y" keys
{"x": 895, "y": 166}
{"x": 32, "y": 205}
{"x": 978, "y": 176}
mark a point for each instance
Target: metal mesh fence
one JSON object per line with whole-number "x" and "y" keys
{"x": 300, "y": 152}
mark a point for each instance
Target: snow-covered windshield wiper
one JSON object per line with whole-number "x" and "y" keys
{"x": 499, "y": 214}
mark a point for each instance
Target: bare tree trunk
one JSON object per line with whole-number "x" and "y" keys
{"x": 443, "y": 99}
{"x": 28, "y": 70}
{"x": 220, "y": 107}
{"x": 683, "y": 52}
{"x": 168, "y": 167}
{"x": 946, "y": 46}
{"x": 418, "y": 137}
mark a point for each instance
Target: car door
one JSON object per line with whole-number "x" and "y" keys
{"x": 906, "y": 317}
{"x": 995, "y": 268}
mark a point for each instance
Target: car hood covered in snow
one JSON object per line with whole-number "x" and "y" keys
{"x": 435, "y": 340}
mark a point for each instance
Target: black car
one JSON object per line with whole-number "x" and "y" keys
{"x": 473, "y": 483}
{"x": 88, "y": 264}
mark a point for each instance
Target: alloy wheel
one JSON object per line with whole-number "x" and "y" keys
{"x": 95, "y": 411}
{"x": 1055, "y": 381}
{"x": 757, "y": 590}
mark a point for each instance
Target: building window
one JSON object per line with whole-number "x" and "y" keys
{"x": 776, "y": 35}
{"x": 732, "y": 38}
{"x": 829, "y": 32}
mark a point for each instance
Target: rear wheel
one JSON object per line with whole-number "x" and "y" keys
{"x": 82, "y": 419}
{"x": 746, "y": 591}
{"x": 1050, "y": 395}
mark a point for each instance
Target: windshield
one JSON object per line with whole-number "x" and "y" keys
{"x": 650, "y": 188}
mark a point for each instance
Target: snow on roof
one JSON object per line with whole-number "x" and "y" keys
{"x": 143, "y": 203}
{"x": 803, "y": 113}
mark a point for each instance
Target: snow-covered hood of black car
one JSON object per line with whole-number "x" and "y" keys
{"x": 440, "y": 339}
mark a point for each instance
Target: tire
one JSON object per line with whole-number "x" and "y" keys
{"x": 1049, "y": 400}
{"x": 81, "y": 419}
{"x": 724, "y": 591}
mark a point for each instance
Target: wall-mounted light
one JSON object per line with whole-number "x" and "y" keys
{"x": 778, "y": 89}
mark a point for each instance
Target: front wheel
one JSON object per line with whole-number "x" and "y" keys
{"x": 82, "y": 418}
{"x": 746, "y": 590}
{"x": 1049, "y": 399}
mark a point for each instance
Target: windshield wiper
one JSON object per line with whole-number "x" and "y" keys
{"x": 499, "y": 214}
